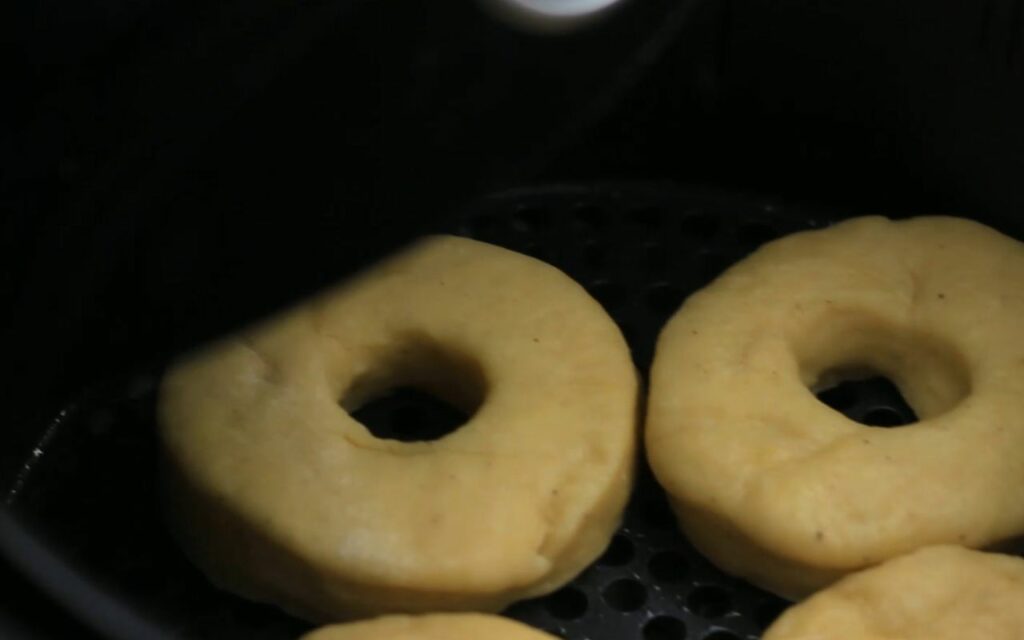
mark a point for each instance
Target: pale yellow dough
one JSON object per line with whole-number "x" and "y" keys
{"x": 937, "y": 593}
{"x": 452, "y": 626}
{"x": 775, "y": 486}
{"x": 278, "y": 494}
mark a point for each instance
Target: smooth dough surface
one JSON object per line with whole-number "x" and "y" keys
{"x": 452, "y": 626}
{"x": 936, "y": 593}
{"x": 775, "y": 486}
{"x": 277, "y": 493}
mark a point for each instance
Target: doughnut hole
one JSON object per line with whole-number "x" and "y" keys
{"x": 665, "y": 628}
{"x": 709, "y": 602}
{"x": 625, "y": 594}
{"x": 874, "y": 401}
{"x": 417, "y": 391}
{"x": 568, "y": 603}
{"x": 924, "y": 373}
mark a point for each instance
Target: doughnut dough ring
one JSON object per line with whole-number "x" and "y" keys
{"x": 441, "y": 626}
{"x": 776, "y": 487}
{"x": 936, "y": 593}
{"x": 279, "y": 495}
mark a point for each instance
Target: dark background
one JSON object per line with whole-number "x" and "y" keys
{"x": 171, "y": 169}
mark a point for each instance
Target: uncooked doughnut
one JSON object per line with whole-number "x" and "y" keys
{"x": 937, "y": 593}
{"x": 775, "y": 486}
{"x": 451, "y": 626}
{"x": 278, "y": 494}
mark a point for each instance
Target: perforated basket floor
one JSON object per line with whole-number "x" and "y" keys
{"x": 640, "y": 250}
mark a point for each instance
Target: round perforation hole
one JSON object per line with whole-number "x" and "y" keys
{"x": 619, "y": 552}
{"x": 665, "y": 628}
{"x": 568, "y": 603}
{"x": 709, "y": 602}
{"x": 669, "y": 567}
{"x": 625, "y": 594}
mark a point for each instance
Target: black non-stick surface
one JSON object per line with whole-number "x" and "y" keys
{"x": 90, "y": 484}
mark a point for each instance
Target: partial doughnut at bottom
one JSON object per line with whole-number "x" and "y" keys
{"x": 773, "y": 485}
{"x": 280, "y": 495}
{"x": 936, "y": 593}
{"x": 452, "y": 626}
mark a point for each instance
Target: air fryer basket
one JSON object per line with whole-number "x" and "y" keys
{"x": 90, "y": 484}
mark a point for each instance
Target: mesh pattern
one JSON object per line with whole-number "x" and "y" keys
{"x": 91, "y": 485}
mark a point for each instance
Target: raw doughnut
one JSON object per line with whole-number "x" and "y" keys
{"x": 775, "y": 486}
{"x": 451, "y": 626}
{"x": 278, "y": 494}
{"x": 937, "y": 593}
